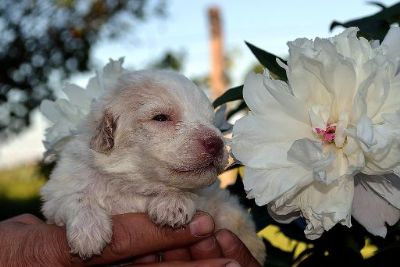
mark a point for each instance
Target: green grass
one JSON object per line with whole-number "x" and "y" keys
{"x": 19, "y": 190}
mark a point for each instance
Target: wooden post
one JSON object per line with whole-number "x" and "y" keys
{"x": 217, "y": 77}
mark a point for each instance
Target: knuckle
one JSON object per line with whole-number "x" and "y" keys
{"x": 27, "y": 218}
{"x": 39, "y": 250}
{"x": 123, "y": 239}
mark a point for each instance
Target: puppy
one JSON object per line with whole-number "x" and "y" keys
{"x": 147, "y": 145}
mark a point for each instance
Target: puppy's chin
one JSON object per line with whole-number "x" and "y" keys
{"x": 196, "y": 176}
{"x": 193, "y": 179}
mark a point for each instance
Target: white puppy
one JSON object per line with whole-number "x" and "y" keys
{"x": 148, "y": 145}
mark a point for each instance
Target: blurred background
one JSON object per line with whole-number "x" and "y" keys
{"x": 46, "y": 43}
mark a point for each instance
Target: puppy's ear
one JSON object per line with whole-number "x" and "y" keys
{"x": 103, "y": 139}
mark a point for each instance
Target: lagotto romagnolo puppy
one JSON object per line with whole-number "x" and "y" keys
{"x": 148, "y": 145}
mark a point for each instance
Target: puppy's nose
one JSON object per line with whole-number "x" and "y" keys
{"x": 213, "y": 145}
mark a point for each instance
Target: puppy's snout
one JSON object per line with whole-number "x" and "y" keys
{"x": 213, "y": 145}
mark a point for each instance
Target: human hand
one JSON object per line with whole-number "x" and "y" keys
{"x": 27, "y": 241}
{"x": 210, "y": 251}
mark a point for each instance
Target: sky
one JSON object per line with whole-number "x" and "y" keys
{"x": 264, "y": 23}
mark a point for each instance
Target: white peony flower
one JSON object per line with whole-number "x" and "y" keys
{"x": 324, "y": 145}
{"x": 66, "y": 114}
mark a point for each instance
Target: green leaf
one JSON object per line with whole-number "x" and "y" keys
{"x": 240, "y": 107}
{"x": 374, "y": 26}
{"x": 268, "y": 60}
{"x": 235, "y": 93}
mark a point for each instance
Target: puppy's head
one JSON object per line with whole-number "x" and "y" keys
{"x": 157, "y": 125}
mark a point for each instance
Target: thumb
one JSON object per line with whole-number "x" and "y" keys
{"x": 199, "y": 263}
{"x": 135, "y": 234}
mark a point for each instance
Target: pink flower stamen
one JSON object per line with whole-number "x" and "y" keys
{"x": 327, "y": 135}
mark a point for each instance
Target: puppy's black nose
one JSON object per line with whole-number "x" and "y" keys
{"x": 213, "y": 145}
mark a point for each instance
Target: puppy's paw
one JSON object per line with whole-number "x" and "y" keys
{"x": 89, "y": 233}
{"x": 174, "y": 210}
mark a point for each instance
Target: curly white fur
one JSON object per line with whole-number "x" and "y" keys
{"x": 148, "y": 145}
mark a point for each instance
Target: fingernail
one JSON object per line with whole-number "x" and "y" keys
{"x": 205, "y": 244}
{"x": 232, "y": 264}
{"x": 201, "y": 225}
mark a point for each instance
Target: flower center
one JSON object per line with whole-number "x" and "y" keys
{"x": 328, "y": 134}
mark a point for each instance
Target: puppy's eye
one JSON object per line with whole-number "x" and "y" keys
{"x": 161, "y": 117}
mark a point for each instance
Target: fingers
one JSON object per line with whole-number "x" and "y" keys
{"x": 25, "y": 219}
{"x": 135, "y": 234}
{"x": 233, "y": 248}
{"x": 178, "y": 254}
{"x": 199, "y": 263}
{"x": 207, "y": 248}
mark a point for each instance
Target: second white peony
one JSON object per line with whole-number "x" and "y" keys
{"x": 325, "y": 144}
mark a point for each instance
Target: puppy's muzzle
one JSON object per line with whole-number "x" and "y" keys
{"x": 213, "y": 145}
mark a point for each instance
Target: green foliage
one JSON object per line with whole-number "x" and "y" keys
{"x": 39, "y": 38}
{"x": 19, "y": 191}
{"x": 269, "y": 61}
{"x": 170, "y": 60}
{"x": 235, "y": 93}
{"x": 375, "y": 26}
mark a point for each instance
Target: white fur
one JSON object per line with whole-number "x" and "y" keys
{"x": 162, "y": 168}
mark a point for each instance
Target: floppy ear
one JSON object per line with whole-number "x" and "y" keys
{"x": 103, "y": 139}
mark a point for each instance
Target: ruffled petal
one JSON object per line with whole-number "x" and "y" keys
{"x": 77, "y": 95}
{"x": 372, "y": 211}
{"x": 391, "y": 43}
{"x": 263, "y": 141}
{"x": 303, "y": 75}
{"x": 384, "y": 155}
{"x": 321, "y": 205}
{"x": 386, "y": 186}
{"x": 264, "y": 185}
{"x": 289, "y": 104}
{"x": 67, "y": 114}
{"x": 310, "y": 155}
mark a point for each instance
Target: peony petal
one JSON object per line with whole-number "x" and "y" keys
{"x": 340, "y": 78}
{"x": 256, "y": 96}
{"x": 322, "y": 205}
{"x": 287, "y": 216}
{"x": 392, "y": 118}
{"x": 309, "y": 154}
{"x": 77, "y": 96}
{"x": 264, "y": 185}
{"x": 291, "y": 105}
{"x": 349, "y": 45}
{"x": 384, "y": 155}
{"x": 354, "y": 155}
{"x": 50, "y": 110}
{"x": 386, "y": 186}
{"x": 360, "y": 107}
{"x": 304, "y": 77}
{"x": 371, "y": 211}
{"x": 391, "y": 43}
{"x": 365, "y": 131}
{"x": 66, "y": 115}
{"x": 397, "y": 171}
{"x": 272, "y": 128}
{"x": 392, "y": 101}
{"x": 339, "y": 167}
